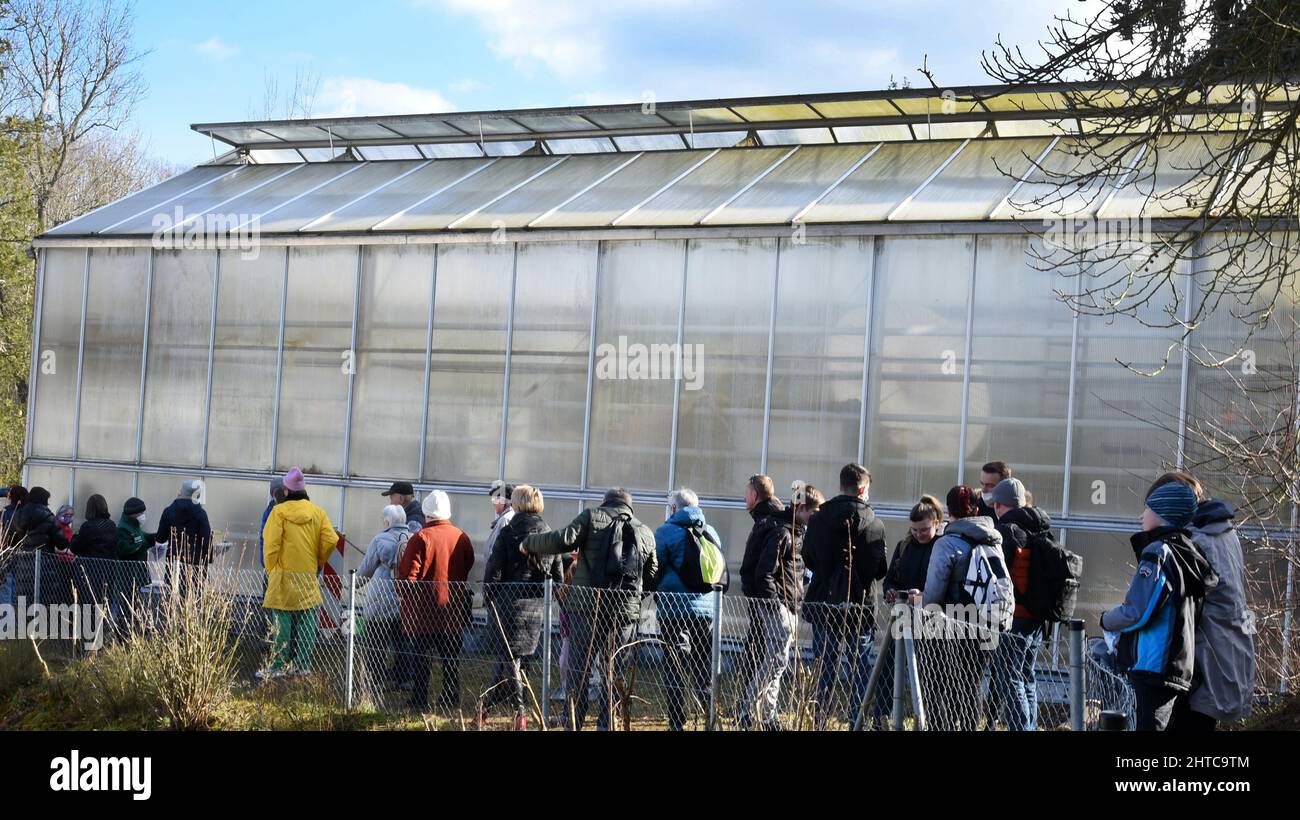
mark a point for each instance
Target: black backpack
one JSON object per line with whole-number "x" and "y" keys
{"x": 623, "y": 560}
{"x": 1054, "y": 574}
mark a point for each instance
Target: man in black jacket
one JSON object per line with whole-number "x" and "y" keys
{"x": 184, "y": 526}
{"x": 771, "y": 573}
{"x": 845, "y": 550}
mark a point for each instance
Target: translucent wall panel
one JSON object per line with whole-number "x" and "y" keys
{"x": 56, "y": 372}
{"x": 1124, "y": 422}
{"x": 392, "y": 333}
{"x": 362, "y": 518}
{"x": 243, "y": 368}
{"x": 467, "y": 369}
{"x": 918, "y": 352}
{"x": 58, "y": 480}
{"x": 317, "y": 357}
{"x": 110, "y": 380}
{"x": 1020, "y": 369}
{"x": 176, "y": 379}
{"x": 115, "y": 485}
{"x": 729, "y": 287}
{"x": 554, "y": 288}
{"x": 1253, "y": 391}
{"x": 631, "y": 419}
{"x": 821, "y": 322}
{"x": 1107, "y": 570}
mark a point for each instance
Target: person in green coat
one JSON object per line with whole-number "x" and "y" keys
{"x": 133, "y": 545}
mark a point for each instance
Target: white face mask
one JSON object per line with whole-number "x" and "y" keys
{"x": 988, "y": 497}
{"x": 866, "y": 495}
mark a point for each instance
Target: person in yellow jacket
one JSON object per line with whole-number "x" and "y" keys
{"x": 297, "y": 540}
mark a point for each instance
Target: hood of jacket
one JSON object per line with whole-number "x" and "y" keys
{"x": 296, "y": 511}
{"x": 767, "y": 508}
{"x": 687, "y": 517}
{"x": 979, "y": 529}
{"x": 1214, "y": 514}
{"x": 1029, "y": 519}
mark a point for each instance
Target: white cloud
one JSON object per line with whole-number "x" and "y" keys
{"x": 467, "y": 86}
{"x": 362, "y": 96}
{"x": 214, "y": 48}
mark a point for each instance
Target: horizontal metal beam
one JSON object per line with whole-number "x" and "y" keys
{"x": 910, "y": 228}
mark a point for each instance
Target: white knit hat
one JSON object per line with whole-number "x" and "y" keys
{"x": 437, "y": 506}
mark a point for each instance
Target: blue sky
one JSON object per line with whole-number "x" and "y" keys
{"x": 209, "y": 62}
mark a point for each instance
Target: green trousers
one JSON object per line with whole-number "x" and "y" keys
{"x": 293, "y": 637}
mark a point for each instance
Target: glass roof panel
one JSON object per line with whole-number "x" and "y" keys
{"x": 361, "y": 179}
{"x": 581, "y": 146}
{"x": 1175, "y": 178}
{"x": 448, "y": 150}
{"x": 1035, "y": 128}
{"x": 564, "y": 122}
{"x": 242, "y": 135}
{"x": 388, "y": 152}
{"x": 403, "y": 192}
{"x": 1025, "y": 101}
{"x": 856, "y": 108}
{"x": 321, "y": 154}
{"x": 507, "y": 149}
{"x": 782, "y": 194}
{"x": 242, "y": 180}
{"x": 934, "y": 106}
{"x": 296, "y": 132}
{"x": 272, "y": 156}
{"x": 938, "y": 129}
{"x": 424, "y": 128}
{"x": 163, "y": 193}
{"x": 626, "y": 119}
{"x": 361, "y": 131}
{"x": 650, "y": 142}
{"x": 872, "y": 133}
{"x": 267, "y": 198}
{"x": 976, "y": 181}
{"x": 603, "y": 204}
{"x": 487, "y": 125}
{"x": 767, "y": 113}
{"x": 715, "y": 139}
{"x": 444, "y": 208}
{"x": 516, "y": 210}
{"x": 691, "y": 198}
{"x": 796, "y": 136}
{"x": 698, "y": 115}
{"x": 871, "y": 192}
{"x": 1067, "y": 184}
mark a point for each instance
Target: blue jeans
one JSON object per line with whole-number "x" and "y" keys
{"x": 1014, "y": 675}
{"x": 833, "y": 628}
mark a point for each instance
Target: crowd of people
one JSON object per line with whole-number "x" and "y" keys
{"x": 1181, "y": 635}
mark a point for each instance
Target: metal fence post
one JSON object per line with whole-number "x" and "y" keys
{"x": 896, "y": 717}
{"x": 548, "y": 595}
{"x": 715, "y": 660}
{"x": 36, "y": 577}
{"x": 1076, "y": 675}
{"x": 352, "y": 633}
{"x": 913, "y": 678}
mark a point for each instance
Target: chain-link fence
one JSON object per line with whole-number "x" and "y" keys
{"x": 546, "y": 655}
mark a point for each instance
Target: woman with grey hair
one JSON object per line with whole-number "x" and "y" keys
{"x": 381, "y": 609}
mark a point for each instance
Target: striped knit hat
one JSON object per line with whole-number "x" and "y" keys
{"x": 1174, "y": 502}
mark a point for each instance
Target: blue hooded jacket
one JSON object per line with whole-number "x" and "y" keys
{"x": 670, "y": 545}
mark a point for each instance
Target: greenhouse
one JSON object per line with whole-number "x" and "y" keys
{"x": 429, "y": 298}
